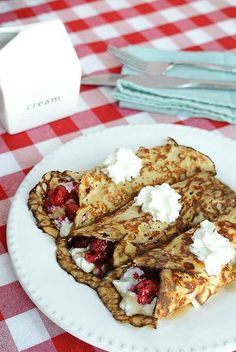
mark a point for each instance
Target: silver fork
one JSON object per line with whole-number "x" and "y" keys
{"x": 157, "y": 68}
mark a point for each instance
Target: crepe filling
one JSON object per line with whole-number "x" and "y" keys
{"x": 92, "y": 254}
{"x": 139, "y": 289}
{"x": 61, "y": 204}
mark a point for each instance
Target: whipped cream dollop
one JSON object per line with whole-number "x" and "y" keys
{"x": 162, "y": 202}
{"x": 129, "y": 303}
{"x": 211, "y": 248}
{"x": 122, "y": 165}
{"x": 77, "y": 255}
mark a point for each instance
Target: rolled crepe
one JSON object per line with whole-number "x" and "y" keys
{"x": 170, "y": 163}
{"x": 99, "y": 195}
{"x": 181, "y": 276}
{"x": 133, "y": 232}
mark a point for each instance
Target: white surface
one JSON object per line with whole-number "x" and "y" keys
{"x": 210, "y": 328}
{"x": 27, "y": 329}
{"x": 7, "y": 275}
{"x": 10, "y": 164}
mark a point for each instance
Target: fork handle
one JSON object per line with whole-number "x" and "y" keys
{"x": 215, "y": 67}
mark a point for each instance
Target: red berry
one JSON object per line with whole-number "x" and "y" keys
{"x": 80, "y": 242}
{"x": 50, "y": 192}
{"x": 71, "y": 208}
{"x": 98, "y": 245}
{"x": 136, "y": 276}
{"x": 100, "y": 251}
{"x": 97, "y": 258}
{"x": 48, "y": 207}
{"x": 93, "y": 258}
{"x": 146, "y": 290}
{"x": 58, "y": 195}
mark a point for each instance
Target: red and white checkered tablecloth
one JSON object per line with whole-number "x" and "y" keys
{"x": 164, "y": 24}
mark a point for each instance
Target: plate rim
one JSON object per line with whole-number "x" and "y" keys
{"x": 39, "y": 301}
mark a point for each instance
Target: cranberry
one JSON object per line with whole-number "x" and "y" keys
{"x": 146, "y": 290}
{"x": 74, "y": 193}
{"x": 94, "y": 257}
{"x": 71, "y": 208}
{"x": 50, "y": 192}
{"x": 58, "y": 195}
{"x": 98, "y": 245}
{"x": 80, "y": 242}
{"x": 100, "y": 251}
{"x": 136, "y": 276}
{"x": 48, "y": 207}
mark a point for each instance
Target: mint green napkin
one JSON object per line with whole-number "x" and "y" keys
{"x": 217, "y": 104}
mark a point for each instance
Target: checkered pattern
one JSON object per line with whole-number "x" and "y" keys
{"x": 164, "y": 24}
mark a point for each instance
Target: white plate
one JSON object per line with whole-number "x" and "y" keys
{"x": 75, "y": 307}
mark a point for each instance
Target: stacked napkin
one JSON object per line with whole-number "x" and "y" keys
{"x": 217, "y": 104}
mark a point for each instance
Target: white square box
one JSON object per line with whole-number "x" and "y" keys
{"x": 40, "y": 75}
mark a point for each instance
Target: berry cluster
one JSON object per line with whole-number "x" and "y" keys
{"x": 146, "y": 290}
{"x": 99, "y": 252}
{"x": 60, "y": 197}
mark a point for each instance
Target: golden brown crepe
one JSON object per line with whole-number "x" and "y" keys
{"x": 203, "y": 196}
{"x": 182, "y": 277}
{"x": 99, "y": 195}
